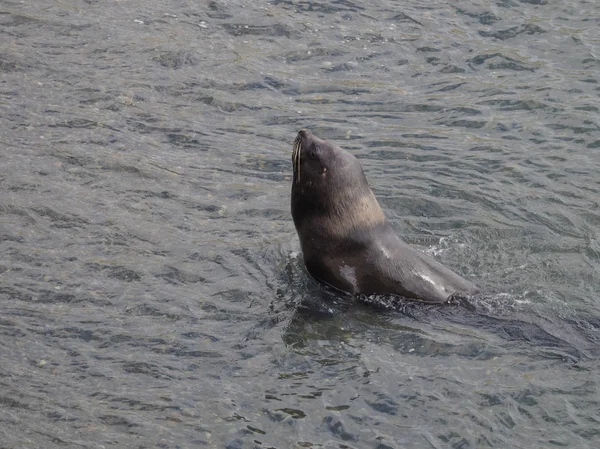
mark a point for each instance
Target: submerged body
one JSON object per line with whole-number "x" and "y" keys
{"x": 346, "y": 240}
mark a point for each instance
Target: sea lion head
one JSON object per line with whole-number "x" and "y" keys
{"x": 329, "y": 189}
{"x": 318, "y": 163}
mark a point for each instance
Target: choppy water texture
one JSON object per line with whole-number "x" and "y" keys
{"x": 151, "y": 290}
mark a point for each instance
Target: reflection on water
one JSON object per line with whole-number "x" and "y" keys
{"x": 151, "y": 290}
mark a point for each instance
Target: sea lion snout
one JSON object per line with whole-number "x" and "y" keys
{"x": 304, "y": 150}
{"x": 305, "y": 138}
{"x": 304, "y": 133}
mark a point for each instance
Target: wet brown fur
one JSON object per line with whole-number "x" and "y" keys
{"x": 345, "y": 237}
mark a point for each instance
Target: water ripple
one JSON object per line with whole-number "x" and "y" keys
{"x": 152, "y": 291}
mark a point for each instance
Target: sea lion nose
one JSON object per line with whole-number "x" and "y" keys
{"x": 304, "y": 133}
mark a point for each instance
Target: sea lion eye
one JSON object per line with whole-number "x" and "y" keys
{"x": 312, "y": 154}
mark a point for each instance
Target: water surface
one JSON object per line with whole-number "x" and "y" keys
{"x": 151, "y": 288}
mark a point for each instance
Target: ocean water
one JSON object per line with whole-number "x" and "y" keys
{"x": 152, "y": 293}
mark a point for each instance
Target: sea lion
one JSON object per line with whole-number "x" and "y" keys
{"x": 347, "y": 242}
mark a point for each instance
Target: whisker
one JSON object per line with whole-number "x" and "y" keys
{"x": 297, "y": 149}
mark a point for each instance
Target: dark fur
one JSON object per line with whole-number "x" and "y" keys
{"x": 346, "y": 239}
